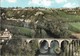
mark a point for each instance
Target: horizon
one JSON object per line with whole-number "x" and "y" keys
{"x": 37, "y": 7}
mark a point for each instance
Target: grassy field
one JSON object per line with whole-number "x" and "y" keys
{"x": 25, "y": 31}
{"x": 75, "y": 27}
{"x": 69, "y": 17}
{"x": 19, "y": 30}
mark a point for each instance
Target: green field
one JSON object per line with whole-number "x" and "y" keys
{"x": 69, "y": 17}
{"x": 74, "y": 27}
{"x": 25, "y": 31}
{"x": 19, "y": 30}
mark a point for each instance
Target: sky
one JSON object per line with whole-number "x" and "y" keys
{"x": 41, "y": 3}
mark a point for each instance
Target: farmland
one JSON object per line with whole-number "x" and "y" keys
{"x": 75, "y": 27}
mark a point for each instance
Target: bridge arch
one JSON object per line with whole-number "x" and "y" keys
{"x": 44, "y": 46}
{"x": 64, "y": 43}
{"x": 31, "y": 41}
{"x": 74, "y": 47}
{"x": 54, "y": 42}
{"x": 65, "y": 47}
{"x": 54, "y": 46}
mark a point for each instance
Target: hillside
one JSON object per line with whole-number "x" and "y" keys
{"x": 49, "y": 22}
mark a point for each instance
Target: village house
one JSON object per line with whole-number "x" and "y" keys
{"x": 5, "y": 35}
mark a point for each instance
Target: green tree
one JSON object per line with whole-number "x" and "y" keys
{"x": 34, "y": 46}
{"x": 19, "y": 46}
{"x": 57, "y": 26}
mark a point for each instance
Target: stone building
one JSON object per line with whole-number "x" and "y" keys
{"x": 5, "y": 35}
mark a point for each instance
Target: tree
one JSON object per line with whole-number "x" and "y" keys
{"x": 3, "y": 16}
{"x": 19, "y": 46}
{"x": 14, "y": 47}
{"x": 54, "y": 26}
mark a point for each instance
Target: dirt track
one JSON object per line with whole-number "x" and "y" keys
{"x": 77, "y": 35}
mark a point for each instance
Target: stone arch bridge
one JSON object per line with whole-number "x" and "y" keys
{"x": 59, "y": 41}
{"x": 49, "y": 40}
{"x": 72, "y": 45}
